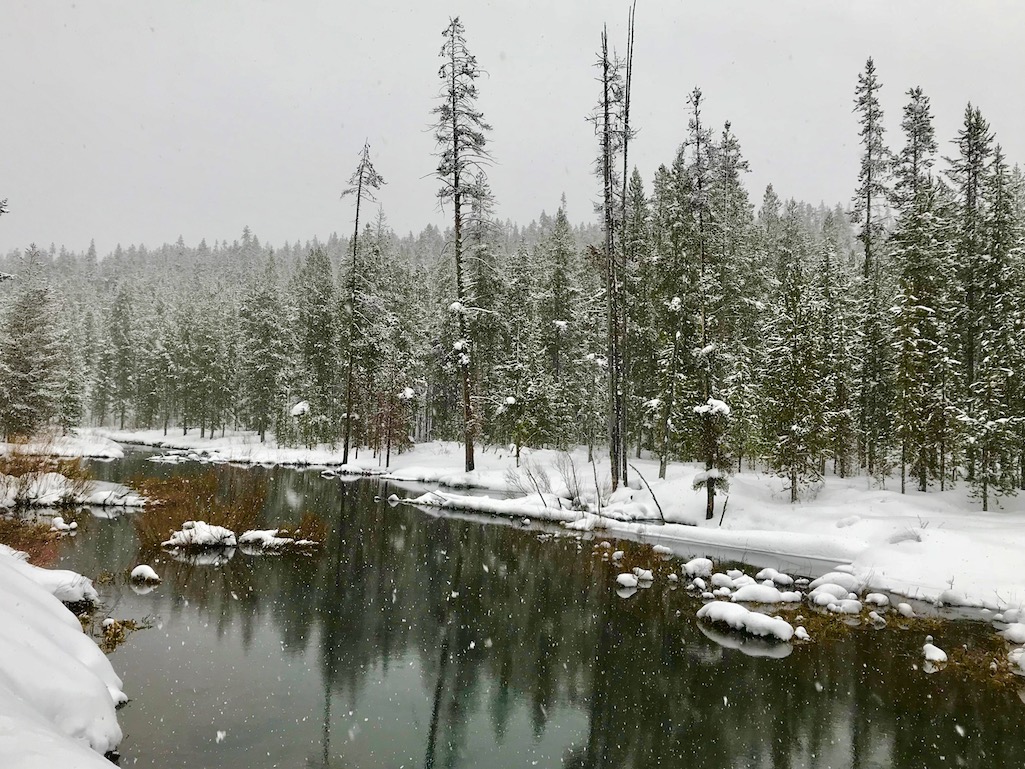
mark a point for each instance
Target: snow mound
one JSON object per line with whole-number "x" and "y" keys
{"x": 627, "y": 580}
{"x": 844, "y": 579}
{"x": 57, "y": 689}
{"x": 200, "y": 534}
{"x": 144, "y": 573}
{"x": 59, "y": 524}
{"x": 877, "y": 599}
{"x": 745, "y": 620}
{"x": 699, "y": 567}
{"x": 1015, "y": 633}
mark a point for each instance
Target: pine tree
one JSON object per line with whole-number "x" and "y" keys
{"x": 921, "y": 258}
{"x": 968, "y": 174}
{"x": 992, "y": 426}
{"x": 317, "y": 341}
{"x": 793, "y": 415}
{"x": 30, "y": 355}
{"x": 363, "y": 183}
{"x": 869, "y": 201}
{"x": 264, "y": 350}
{"x": 460, "y": 133}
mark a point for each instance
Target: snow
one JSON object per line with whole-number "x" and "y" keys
{"x": 78, "y": 443}
{"x": 699, "y": 567}
{"x": 144, "y": 573}
{"x": 58, "y": 691}
{"x": 58, "y": 524}
{"x": 740, "y": 618}
{"x": 300, "y": 409}
{"x": 714, "y": 407}
{"x": 200, "y": 534}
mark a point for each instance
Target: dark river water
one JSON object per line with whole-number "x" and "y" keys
{"x": 419, "y": 641}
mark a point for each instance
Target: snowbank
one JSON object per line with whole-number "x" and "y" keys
{"x": 67, "y": 586}
{"x": 54, "y": 489}
{"x": 934, "y": 546}
{"x": 57, "y": 689}
{"x": 80, "y": 443}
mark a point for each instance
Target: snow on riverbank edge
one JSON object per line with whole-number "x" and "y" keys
{"x": 935, "y": 546}
{"x": 58, "y": 691}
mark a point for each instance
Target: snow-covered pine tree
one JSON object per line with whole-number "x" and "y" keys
{"x": 837, "y": 319}
{"x": 869, "y": 203}
{"x": 967, "y": 174}
{"x": 264, "y": 350}
{"x": 460, "y": 133}
{"x": 921, "y": 260}
{"x": 992, "y": 425}
{"x": 793, "y": 413}
{"x": 30, "y": 354}
{"x": 313, "y": 293}
{"x": 638, "y": 279}
{"x": 363, "y": 183}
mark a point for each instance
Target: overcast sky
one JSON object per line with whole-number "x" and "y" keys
{"x": 138, "y": 121}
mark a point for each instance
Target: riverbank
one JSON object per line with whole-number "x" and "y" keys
{"x": 934, "y": 546}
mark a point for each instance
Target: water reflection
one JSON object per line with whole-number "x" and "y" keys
{"x": 420, "y": 641}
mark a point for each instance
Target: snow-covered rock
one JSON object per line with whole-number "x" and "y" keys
{"x": 757, "y": 594}
{"x": 643, "y": 575}
{"x": 721, "y": 580}
{"x": 627, "y": 580}
{"x": 698, "y": 567}
{"x": 877, "y": 599}
{"x": 741, "y": 618}
{"x": 905, "y": 610}
{"x": 59, "y": 524}
{"x": 933, "y": 653}
{"x": 144, "y": 573}
{"x": 844, "y": 579}
{"x": 200, "y": 534}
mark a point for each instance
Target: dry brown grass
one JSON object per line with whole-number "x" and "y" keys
{"x": 310, "y": 527}
{"x": 31, "y": 537}
{"x": 233, "y": 502}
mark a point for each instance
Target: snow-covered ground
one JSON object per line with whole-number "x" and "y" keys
{"x": 57, "y": 689}
{"x": 71, "y": 446}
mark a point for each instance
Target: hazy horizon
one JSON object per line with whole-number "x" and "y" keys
{"x": 140, "y": 122}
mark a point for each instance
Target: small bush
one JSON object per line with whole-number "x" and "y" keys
{"x": 220, "y": 499}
